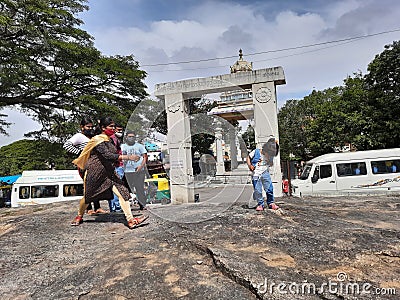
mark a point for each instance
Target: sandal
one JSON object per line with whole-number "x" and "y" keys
{"x": 135, "y": 222}
{"x": 100, "y": 211}
{"x": 77, "y": 221}
{"x": 91, "y": 212}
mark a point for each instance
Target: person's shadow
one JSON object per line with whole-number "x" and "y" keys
{"x": 111, "y": 218}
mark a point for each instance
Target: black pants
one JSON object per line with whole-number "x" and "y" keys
{"x": 136, "y": 180}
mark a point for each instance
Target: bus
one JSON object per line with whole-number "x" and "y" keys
{"x": 42, "y": 187}
{"x": 350, "y": 173}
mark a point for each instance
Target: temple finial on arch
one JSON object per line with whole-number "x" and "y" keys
{"x": 241, "y": 65}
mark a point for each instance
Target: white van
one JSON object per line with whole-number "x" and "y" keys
{"x": 41, "y": 187}
{"x": 361, "y": 172}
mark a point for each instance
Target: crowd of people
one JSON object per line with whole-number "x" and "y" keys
{"x": 111, "y": 169}
{"x": 101, "y": 164}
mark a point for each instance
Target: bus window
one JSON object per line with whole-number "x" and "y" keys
{"x": 351, "y": 169}
{"x": 44, "y": 191}
{"x": 70, "y": 190}
{"x": 24, "y": 192}
{"x": 385, "y": 166}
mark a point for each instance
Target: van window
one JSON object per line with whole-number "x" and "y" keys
{"x": 24, "y": 192}
{"x": 385, "y": 166}
{"x": 44, "y": 191}
{"x": 351, "y": 169}
{"x": 70, "y": 190}
{"x": 306, "y": 172}
{"x": 325, "y": 171}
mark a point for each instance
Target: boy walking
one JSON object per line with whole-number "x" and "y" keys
{"x": 259, "y": 162}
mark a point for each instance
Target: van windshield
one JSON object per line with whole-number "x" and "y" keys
{"x": 306, "y": 172}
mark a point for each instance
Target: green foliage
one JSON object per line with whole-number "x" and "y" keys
{"x": 383, "y": 105}
{"x": 201, "y": 124}
{"x": 292, "y": 137}
{"x": 51, "y": 71}
{"x": 249, "y": 138}
{"x": 32, "y": 155}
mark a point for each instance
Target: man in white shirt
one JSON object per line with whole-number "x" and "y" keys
{"x": 134, "y": 171}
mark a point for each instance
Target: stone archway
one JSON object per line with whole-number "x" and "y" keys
{"x": 262, "y": 83}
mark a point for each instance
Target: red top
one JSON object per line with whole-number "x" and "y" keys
{"x": 117, "y": 144}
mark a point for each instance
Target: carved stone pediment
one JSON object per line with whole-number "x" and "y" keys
{"x": 173, "y": 108}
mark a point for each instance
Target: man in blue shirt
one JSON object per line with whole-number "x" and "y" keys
{"x": 135, "y": 170}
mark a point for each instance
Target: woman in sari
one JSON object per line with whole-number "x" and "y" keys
{"x": 100, "y": 182}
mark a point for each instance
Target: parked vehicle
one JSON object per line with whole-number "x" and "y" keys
{"x": 41, "y": 187}
{"x": 157, "y": 188}
{"x": 361, "y": 172}
{"x": 5, "y": 189}
{"x": 151, "y": 146}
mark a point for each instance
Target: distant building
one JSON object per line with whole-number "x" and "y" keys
{"x": 237, "y": 104}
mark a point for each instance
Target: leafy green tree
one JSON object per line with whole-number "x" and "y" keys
{"x": 33, "y": 155}
{"x": 323, "y": 125}
{"x": 355, "y": 119}
{"x": 324, "y": 120}
{"x": 249, "y": 138}
{"x": 383, "y": 105}
{"x": 50, "y": 70}
{"x": 292, "y": 139}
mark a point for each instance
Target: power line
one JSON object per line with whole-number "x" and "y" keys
{"x": 273, "y": 51}
{"x": 261, "y": 60}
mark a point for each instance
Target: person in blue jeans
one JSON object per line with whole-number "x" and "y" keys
{"x": 114, "y": 203}
{"x": 259, "y": 161}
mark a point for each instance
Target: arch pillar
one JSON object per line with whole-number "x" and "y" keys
{"x": 219, "y": 151}
{"x": 266, "y": 125}
{"x": 233, "y": 147}
{"x": 180, "y": 149}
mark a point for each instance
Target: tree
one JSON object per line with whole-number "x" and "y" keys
{"x": 383, "y": 105}
{"x": 33, "y": 155}
{"x": 249, "y": 138}
{"x": 324, "y": 120}
{"x": 357, "y": 122}
{"x": 292, "y": 139}
{"x": 50, "y": 70}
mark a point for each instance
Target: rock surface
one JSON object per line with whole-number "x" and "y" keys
{"x": 341, "y": 244}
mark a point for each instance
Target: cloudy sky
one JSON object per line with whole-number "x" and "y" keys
{"x": 324, "y": 35}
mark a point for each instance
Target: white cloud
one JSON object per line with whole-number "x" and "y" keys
{"x": 20, "y": 124}
{"x": 204, "y": 33}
